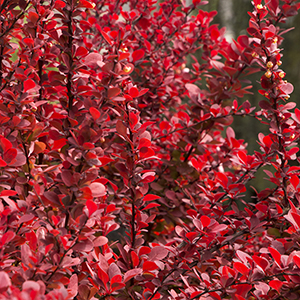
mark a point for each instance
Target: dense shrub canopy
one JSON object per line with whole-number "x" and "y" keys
{"x": 120, "y": 174}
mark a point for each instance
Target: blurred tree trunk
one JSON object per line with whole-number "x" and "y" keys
{"x": 226, "y": 16}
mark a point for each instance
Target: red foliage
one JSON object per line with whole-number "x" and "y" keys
{"x": 106, "y": 131}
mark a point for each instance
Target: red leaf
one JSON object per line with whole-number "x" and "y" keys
{"x": 151, "y": 205}
{"x": 205, "y": 220}
{"x": 243, "y": 41}
{"x": 106, "y": 37}
{"x": 134, "y": 92}
{"x": 5, "y": 144}
{"x": 223, "y": 179}
{"x": 110, "y": 208}
{"x": 88, "y": 146}
{"x": 242, "y": 157}
{"x": 81, "y": 51}
{"x": 58, "y": 144}
{"x": 117, "y": 285}
{"x": 48, "y": 248}
{"x": 95, "y": 113}
{"x": 143, "y": 92}
{"x": 55, "y": 220}
{"x": 276, "y": 255}
{"x": 103, "y": 276}
{"x": 240, "y": 267}
{"x": 276, "y": 284}
{"x": 133, "y": 120}
{"x": 144, "y": 250}
{"x": 59, "y": 4}
{"x": 2, "y": 163}
{"x": 28, "y": 41}
{"x": 28, "y": 84}
{"x": 146, "y": 152}
{"x": 297, "y": 260}
{"x": 294, "y": 180}
{"x": 231, "y": 71}
{"x": 138, "y": 54}
{"x": 191, "y": 235}
{"x": 297, "y": 113}
{"x": 8, "y": 193}
{"x": 105, "y": 160}
{"x": 195, "y": 294}
{"x": 32, "y": 240}
{"x": 134, "y": 259}
{"x": 123, "y": 55}
{"x": 149, "y": 266}
{"x": 91, "y": 206}
{"x": 293, "y": 207}
{"x": 293, "y": 151}
{"x": 86, "y": 4}
{"x": 296, "y": 217}
{"x": 144, "y": 143}
{"x": 116, "y": 279}
{"x": 279, "y": 209}
{"x": 151, "y": 197}
{"x": 7, "y": 237}
{"x": 238, "y": 297}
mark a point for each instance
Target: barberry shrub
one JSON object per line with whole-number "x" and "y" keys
{"x": 120, "y": 174}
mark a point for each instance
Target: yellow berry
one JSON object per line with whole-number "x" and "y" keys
{"x": 127, "y": 69}
{"x": 259, "y": 6}
{"x": 124, "y": 49}
{"x": 268, "y": 74}
{"x": 269, "y": 65}
{"x": 281, "y": 74}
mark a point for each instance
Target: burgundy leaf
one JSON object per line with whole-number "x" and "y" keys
{"x": 132, "y": 273}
